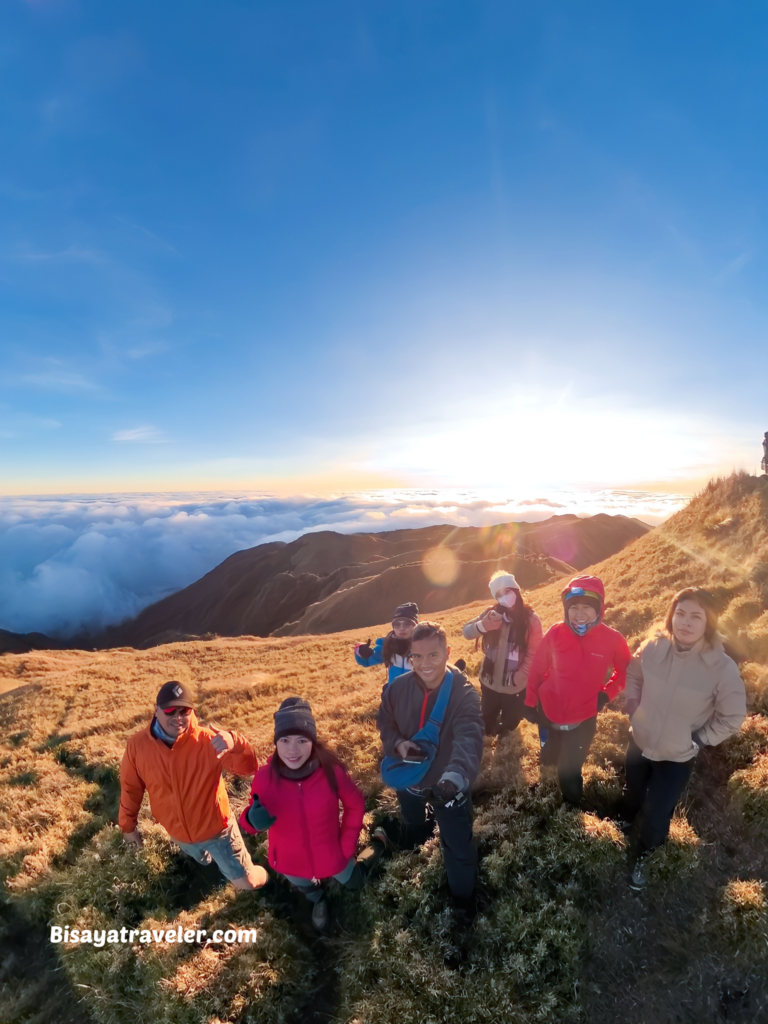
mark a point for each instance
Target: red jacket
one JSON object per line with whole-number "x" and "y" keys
{"x": 568, "y": 671}
{"x": 307, "y": 839}
{"x": 187, "y": 794}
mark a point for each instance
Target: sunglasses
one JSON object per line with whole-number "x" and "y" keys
{"x": 176, "y": 711}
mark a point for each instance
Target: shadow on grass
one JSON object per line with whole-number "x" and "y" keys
{"x": 34, "y": 986}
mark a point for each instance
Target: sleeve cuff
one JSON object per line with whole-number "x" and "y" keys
{"x": 460, "y": 781}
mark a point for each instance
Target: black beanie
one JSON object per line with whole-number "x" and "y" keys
{"x": 294, "y": 718}
{"x": 409, "y": 610}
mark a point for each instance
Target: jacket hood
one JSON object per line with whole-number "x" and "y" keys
{"x": 593, "y": 583}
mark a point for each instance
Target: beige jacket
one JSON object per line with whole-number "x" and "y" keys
{"x": 519, "y": 681}
{"x": 672, "y": 694}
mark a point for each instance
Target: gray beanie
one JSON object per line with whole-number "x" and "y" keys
{"x": 294, "y": 718}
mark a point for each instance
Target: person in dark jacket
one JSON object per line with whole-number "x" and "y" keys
{"x": 579, "y": 667}
{"x": 296, "y": 796}
{"x": 406, "y": 705}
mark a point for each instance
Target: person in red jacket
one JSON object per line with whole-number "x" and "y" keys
{"x": 579, "y": 667}
{"x": 296, "y": 796}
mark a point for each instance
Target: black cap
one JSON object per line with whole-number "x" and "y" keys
{"x": 409, "y": 610}
{"x": 174, "y": 694}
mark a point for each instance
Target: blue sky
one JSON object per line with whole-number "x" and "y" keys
{"x": 306, "y": 246}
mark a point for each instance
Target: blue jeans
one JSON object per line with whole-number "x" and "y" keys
{"x": 227, "y": 849}
{"x": 313, "y": 890}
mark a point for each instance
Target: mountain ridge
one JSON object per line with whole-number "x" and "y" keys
{"x": 325, "y": 581}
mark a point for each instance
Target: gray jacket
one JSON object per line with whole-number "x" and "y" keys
{"x": 460, "y": 748}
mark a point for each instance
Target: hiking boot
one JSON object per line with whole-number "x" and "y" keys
{"x": 379, "y": 835}
{"x": 463, "y": 912}
{"x": 321, "y": 916}
{"x": 206, "y": 858}
{"x": 637, "y": 877}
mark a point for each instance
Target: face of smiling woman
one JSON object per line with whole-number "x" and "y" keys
{"x": 293, "y": 751}
{"x": 429, "y": 659}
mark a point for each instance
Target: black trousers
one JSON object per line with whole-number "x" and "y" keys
{"x": 651, "y": 794}
{"x": 502, "y": 712}
{"x": 568, "y": 749}
{"x": 459, "y": 850}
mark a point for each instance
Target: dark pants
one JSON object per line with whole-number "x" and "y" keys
{"x": 459, "y": 851}
{"x": 650, "y": 797}
{"x": 568, "y": 749}
{"x": 509, "y": 707}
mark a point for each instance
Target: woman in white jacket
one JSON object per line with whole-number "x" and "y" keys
{"x": 683, "y": 692}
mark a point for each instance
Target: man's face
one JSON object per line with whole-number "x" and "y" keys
{"x": 429, "y": 658}
{"x": 173, "y": 724}
{"x": 580, "y": 613}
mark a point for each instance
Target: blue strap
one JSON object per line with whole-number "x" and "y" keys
{"x": 402, "y": 775}
{"x": 431, "y": 731}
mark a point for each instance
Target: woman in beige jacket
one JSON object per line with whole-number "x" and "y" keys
{"x": 683, "y": 692}
{"x": 511, "y": 633}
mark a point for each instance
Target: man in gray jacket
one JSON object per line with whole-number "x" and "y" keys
{"x": 406, "y": 705}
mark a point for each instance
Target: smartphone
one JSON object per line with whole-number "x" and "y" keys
{"x": 415, "y": 758}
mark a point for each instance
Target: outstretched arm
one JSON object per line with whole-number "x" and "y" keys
{"x": 238, "y": 755}
{"x": 375, "y": 658}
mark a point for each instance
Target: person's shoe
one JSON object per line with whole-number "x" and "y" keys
{"x": 321, "y": 916}
{"x": 206, "y": 858}
{"x": 637, "y": 877}
{"x": 379, "y": 835}
{"x": 463, "y": 912}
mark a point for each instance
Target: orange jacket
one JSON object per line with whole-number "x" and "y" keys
{"x": 187, "y": 794}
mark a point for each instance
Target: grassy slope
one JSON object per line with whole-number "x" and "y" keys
{"x": 564, "y": 940}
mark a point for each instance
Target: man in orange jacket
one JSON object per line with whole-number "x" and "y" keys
{"x": 179, "y": 764}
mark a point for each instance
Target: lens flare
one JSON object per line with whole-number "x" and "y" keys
{"x": 441, "y": 566}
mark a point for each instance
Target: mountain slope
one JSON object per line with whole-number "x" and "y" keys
{"x": 562, "y": 937}
{"x": 324, "y": 582}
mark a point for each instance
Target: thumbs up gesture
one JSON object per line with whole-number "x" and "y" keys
{"x": 222, "y": 742}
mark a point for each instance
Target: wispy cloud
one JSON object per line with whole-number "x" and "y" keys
{"x": 73, "y": 252}
{"x": 60, "y": 380}
{"x": 141, "y": 435}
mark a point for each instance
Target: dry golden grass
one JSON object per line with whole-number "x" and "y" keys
{"x": 548, "y": 949}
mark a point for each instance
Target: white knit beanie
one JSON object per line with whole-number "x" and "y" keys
{"x": 501, "y": 580}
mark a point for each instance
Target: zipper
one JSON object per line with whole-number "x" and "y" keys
{"x": 305, "y": 827}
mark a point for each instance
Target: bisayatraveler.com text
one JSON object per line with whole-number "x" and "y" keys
{"x": 130, "y": 936}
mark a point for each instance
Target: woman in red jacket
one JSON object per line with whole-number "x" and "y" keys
{"x": 579, "y": 667}
{"x": 296, "y": 796}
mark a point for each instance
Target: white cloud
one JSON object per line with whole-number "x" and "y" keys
{"x": 69, "y": 563}
{"x": 141, "y": 435}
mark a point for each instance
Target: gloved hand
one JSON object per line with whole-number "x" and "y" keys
{"x": 602, "y": 700}
{"x": 258, "y": 816}
{"x": 445, "y": 791}
{"x": 365, "y": 650}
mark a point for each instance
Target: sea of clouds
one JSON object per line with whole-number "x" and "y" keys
{"x": 72, "y": 564}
